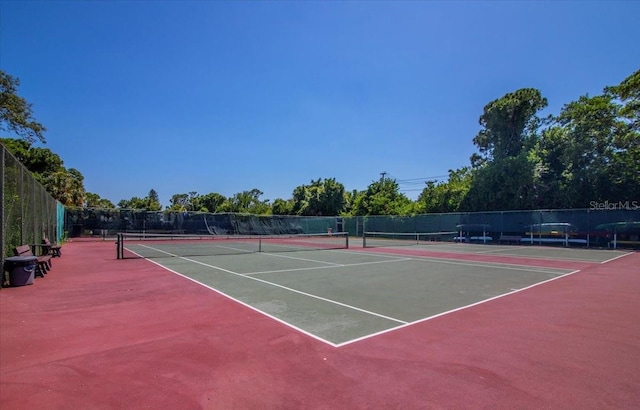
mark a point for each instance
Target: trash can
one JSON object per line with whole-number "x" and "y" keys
{"x": 21, "y": 269}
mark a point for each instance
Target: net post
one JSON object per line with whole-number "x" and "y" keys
{"x": 118, "y": 246}
{"x": 347, "y": 240}
{"x": 259, "y": 244}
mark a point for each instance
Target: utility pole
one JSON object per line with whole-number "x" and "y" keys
{"x": 382, "y": 174}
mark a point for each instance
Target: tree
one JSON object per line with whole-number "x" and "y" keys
{"x": 319, "y": 198}
{"x": 185, "y": 202}
{"x": 16, "y": 114}
{"x": 212, "y": 202}
{"x": 383, "y": 198}
{"x": 282, "y": 207}
{"x": 154, "y": 200}
{"x": 503, "y": 184}
{"x": 148, "y": 203}
{"x": 40, "y": 161}
{"x": 509, "y": 124}
{"x": 247, "y": 202}
{"x": 445, "y": 196}
{"x": 94, "y": 201}
{"x": 66, "y": 186}
{"x": 592, "y": 151}
{"x": 626, "y": 154}
{"x": 503, "y": 170}
{"x": 628, "y": 93}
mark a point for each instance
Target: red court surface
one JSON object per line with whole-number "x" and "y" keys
{"x": 101, "y": 333}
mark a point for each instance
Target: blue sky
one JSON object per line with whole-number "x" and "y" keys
{"x": 214, "y": 96}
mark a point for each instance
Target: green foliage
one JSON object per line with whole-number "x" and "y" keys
{"x": 148, "y": 203}
{"x": 211, "y": 202}
{"x": 282, "y": 207}
{"x": 504, "y": 184}
{"x": 65, "y": 185}
{"x": 247, "y": 202}
{"x": 16, "y": 115}
{"x": 509, "y": 124}
{"x": 95, "y": 201}
{"x": 445, "y": 196}
{"x": 383, "y": 198}
{"x": 320, "y": 198}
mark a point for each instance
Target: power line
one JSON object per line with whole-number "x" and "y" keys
{"x": 417, "y": 181}
{"x": 413, "y": 184}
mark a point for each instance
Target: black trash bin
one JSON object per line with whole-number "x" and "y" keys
{"x": 21, "y": 269}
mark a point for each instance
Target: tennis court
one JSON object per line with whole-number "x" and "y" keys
{"x": 333, "y": 328}
{"x": 340, "y": 295}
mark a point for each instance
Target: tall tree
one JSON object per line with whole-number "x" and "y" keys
{"x": 504, "y": 170}
{"x": 16, "y": 114}
{"x": 154, "y": 200}
{"x": 503, "y": 184}
{"x": 626, "y": 154}
{"x": 382, "y": 198}
{"x": 247, "y": 202}
{"x": 65, "y": 185}
{"x": 95, "y": 201}
{"x": 282, "y": 207}
{"x": 589, "y": 126}
{"x": 592, "y": 151}
{"x": 321, "y": 197}
{"x": 445, "y": 196}
{"x": 148, "y": 203}
{"x": 212, "y": 202}
{"x": 510, "y": 124}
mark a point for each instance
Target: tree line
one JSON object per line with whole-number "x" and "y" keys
{"x": 589, "y": 151}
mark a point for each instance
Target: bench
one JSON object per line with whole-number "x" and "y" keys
{"x": 43, "y": 263}
{"x": 510, "y": 238}
{"x": 49, "y": 249}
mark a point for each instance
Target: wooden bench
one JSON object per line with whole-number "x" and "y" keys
{"x": 510, "y": 238}
{"x": 49, "y": 249}
{"x": 43, "y": 263}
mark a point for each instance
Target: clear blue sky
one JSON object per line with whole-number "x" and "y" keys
{"x": 214, "y": 96}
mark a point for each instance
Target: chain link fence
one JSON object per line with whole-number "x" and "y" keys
{"x": 107, "y": 223}
{"x": 598, "y": 226}
{"x": 29, "y": 213}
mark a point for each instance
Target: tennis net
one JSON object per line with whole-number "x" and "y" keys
{"x": 140, "y": 245}
{"x": 390, "y": 239}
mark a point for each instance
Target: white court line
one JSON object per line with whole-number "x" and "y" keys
{"x": 501, "y": 249}
{"x": 242, "y": 251}
{"x": 335, "y": 302}
{"x": 542, "y": 257}
{"x": 490, "y": 263}
{"x": 277, "y": 255}
{"x": 312, "y": 335}
{"x": 403, "y": 324}
{"x": 347, "y": 265}
{"x": 451, "y": 311}
{"x": 617, "y": 257}
{"x": 496, "y": 265}
{"x": 552, "y": 257}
